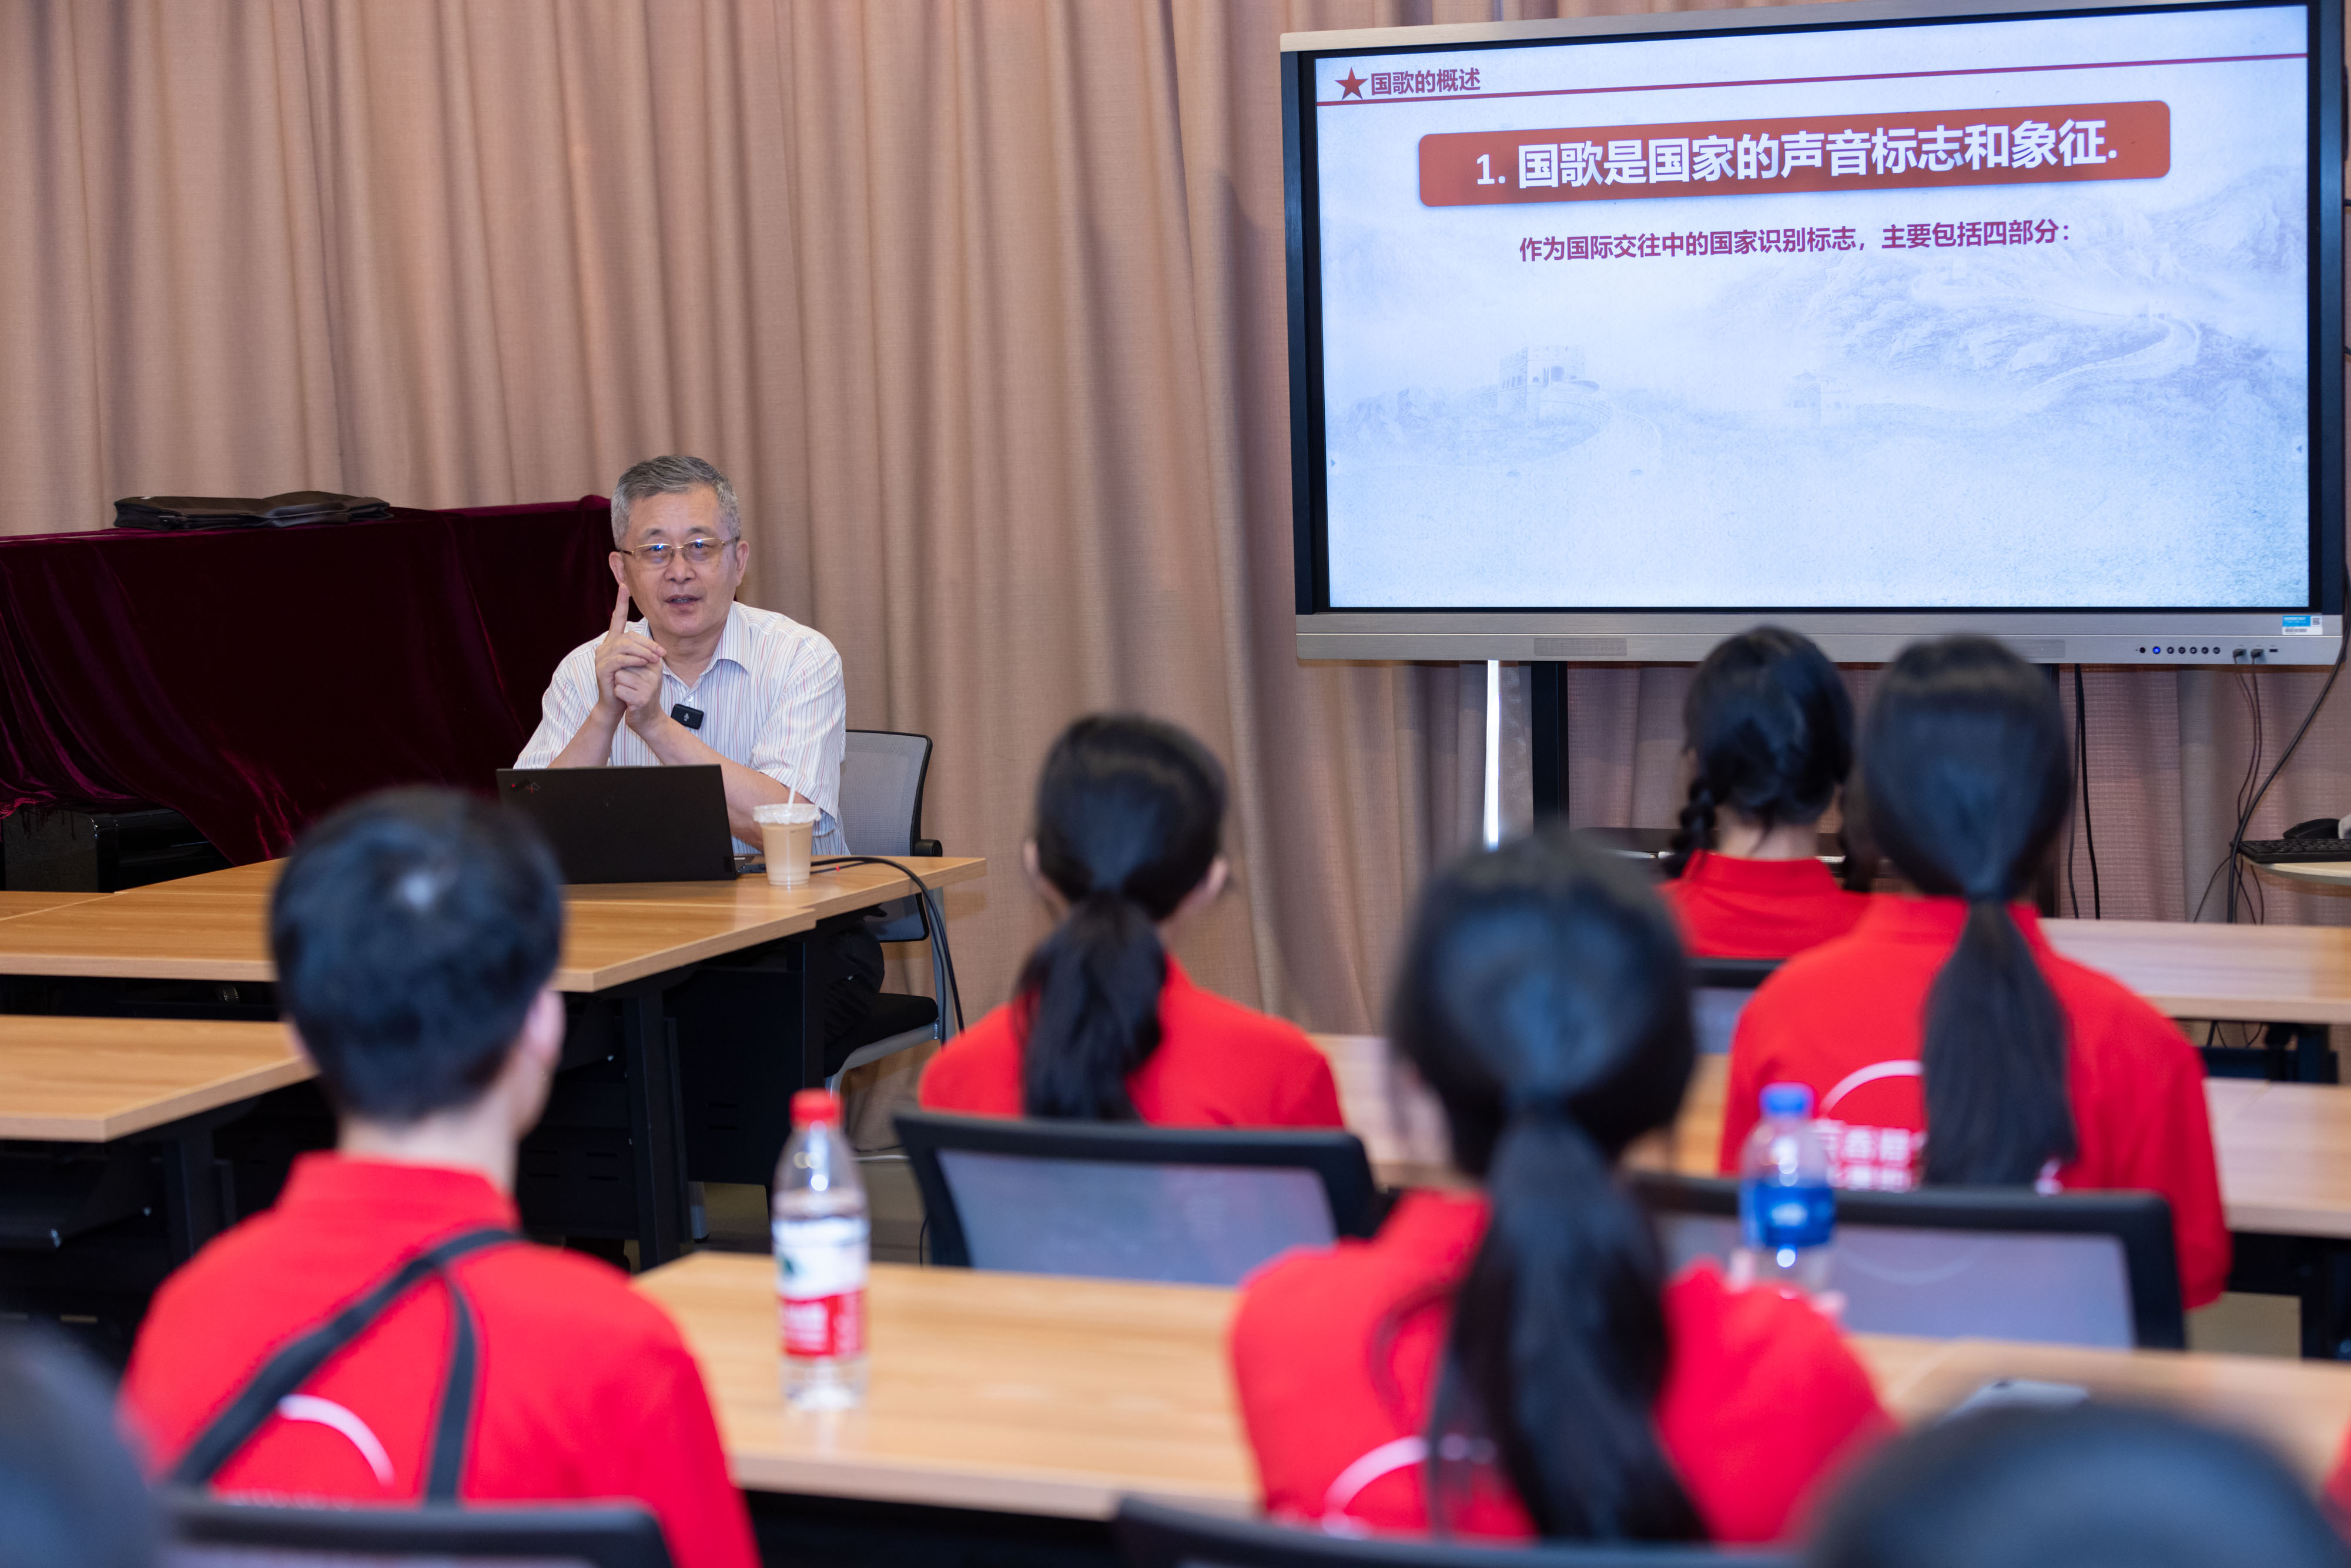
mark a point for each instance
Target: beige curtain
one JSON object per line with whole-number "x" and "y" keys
{"x": 980, "y": 304}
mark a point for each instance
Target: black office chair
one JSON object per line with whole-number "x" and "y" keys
{"x": 1720, "y": 989}
{"x": 210, "y": 1533}
{"x": 1123, "y": 1201}
{"x": 1154, "y": 1535}
{"x": 2084, "y": 1267}
{"x": 883, "y": 772}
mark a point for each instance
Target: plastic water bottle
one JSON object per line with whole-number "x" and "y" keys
{"x": 823, "y": 1245}
{"x": 1787, "y": 1211}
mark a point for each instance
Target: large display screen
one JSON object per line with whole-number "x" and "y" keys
{"x": 2013, "y": 312}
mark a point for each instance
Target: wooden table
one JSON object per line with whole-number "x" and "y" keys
{"x": 92, "y": 1080}
{"x": 629, "y": 944}
{"x": 32, "y": 901}
{"x": 105, "y": 1081}
{"x": 1036, "y": 1394}
{"x": 2327, "y": 876}
{"x": 2293, "y": 975}
{"x": 215, "y": 926}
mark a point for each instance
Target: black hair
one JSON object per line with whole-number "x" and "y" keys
{"x": 1968, "y": 774}
{"x": 2089, "y": 1486}
{"x": 1543, "y": 998}
{"x": 1129, "y": 812}
{"x": 70, "y": 1494}
{"x": 1769, "y": 727}
{"x": 412, "y": 930}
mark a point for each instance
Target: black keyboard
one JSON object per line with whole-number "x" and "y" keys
{"x": 2270, "y": 851}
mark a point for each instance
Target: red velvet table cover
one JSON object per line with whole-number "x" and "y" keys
{"x": 253, "y": 679}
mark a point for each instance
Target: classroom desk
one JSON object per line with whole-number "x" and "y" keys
{"x": 2324, "y": 876}
{"x": 629, "y": 943}
{"x": 93, "y": 1080}
{"x": 101, "y": 1080}
{"x": 2285, "y": 1149}
{"x": 31, "y": 902}
{"x": 830, "y": 891}
{"x": 2301, "y": 973}
{"x": 152, "y": 934}
{"x": 1035, "y": 1395}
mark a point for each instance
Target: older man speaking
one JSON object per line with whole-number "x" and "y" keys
{"x": 701, "y": 678}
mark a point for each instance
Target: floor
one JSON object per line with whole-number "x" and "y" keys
{"x": 2247, "y": 1325}
{"x": 738, "y": 1215}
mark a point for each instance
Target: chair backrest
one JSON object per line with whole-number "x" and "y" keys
{"x": 881, "y": 776}
{"x": 1720, "y": 989}
{"x": 210, "y": 1533}
{"x": 1119, "y": 1200}
{"x": 2094, "y": 1268}
{"x": 1154, "y": 1535}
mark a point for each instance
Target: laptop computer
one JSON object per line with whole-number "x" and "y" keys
{"x": 628, "y": 824}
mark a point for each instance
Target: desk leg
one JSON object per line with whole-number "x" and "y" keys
{"x": 652, "y": 1052}
{"x": 2313, "y": 1056}
{"x": 2326, "y": 1292}
{"x": 192, "y": 1192}
{"x": 816, "y": 978}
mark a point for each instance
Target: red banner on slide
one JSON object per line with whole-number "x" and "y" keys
{"x": 1839, "y": 152}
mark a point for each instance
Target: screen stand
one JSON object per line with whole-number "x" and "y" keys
{"x": 1547, "y": 702}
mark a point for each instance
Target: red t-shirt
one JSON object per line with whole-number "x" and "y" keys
{"x": 1218, "y": 1064}
{"x": 585, "y": 1390}
{"x": 1733, "y": 908}
{"x": 1848, "y": 1016}
{"x": 2338, "y": 1489}
{"x": 1336, "y": 1353}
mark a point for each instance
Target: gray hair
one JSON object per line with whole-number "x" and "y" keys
{"x": 673, "y": 476}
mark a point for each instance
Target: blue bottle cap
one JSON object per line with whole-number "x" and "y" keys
{"x": 1787, "y": 1099}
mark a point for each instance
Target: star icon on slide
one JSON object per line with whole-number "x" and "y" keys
{"x": 1353, "y": 83}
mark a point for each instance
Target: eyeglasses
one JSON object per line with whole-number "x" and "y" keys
{"x": 698, "y": 551}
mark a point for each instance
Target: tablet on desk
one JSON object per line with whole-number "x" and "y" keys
{"x": 628, "y": 824}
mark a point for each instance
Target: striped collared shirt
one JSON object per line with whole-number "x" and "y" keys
{"x": 772, "y": 701}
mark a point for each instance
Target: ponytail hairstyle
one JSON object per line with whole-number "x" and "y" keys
{"x": 1128, "y": 814}
{"x": 1543, "y": 999}
{"x": 1769, "y": 725}
{"x": 1966, "y": 770}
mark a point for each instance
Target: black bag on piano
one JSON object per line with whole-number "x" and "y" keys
{"x": 285, "y": 511}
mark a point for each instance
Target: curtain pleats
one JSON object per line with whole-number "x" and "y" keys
{"x": 980, "y": 304}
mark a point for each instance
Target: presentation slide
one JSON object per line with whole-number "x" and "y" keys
{"x": 2006, "y": 314}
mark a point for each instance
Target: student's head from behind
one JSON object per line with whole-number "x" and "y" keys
{"x": 70, "y": 1494}
{"x": 1543, "y": 998}
{"x": 1769, "y": 726}
{"x": 1967, "y": 775}
{"x": 1128, "y": 836}
{"x": 414, "y": 932}
{"x": 2086, "y": 1486}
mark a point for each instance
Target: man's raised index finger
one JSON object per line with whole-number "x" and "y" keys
{"x": 620, "y": 611}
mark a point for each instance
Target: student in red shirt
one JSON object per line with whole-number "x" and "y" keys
{"x": 2337, "y": 1491}
{"x": 1943, "y": 1040}
{"x": 415, "y": 934}
{"x": 1770, "y": 729}
{"x": 1511, "y": 1361}
{"x": 1104, "y": 1025}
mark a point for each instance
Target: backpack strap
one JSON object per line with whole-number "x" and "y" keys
{"x": 286, "y": 1372}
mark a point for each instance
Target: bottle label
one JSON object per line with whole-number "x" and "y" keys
{"x": 820, "y": 1284}
{"x": 1773, "y": 1218}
